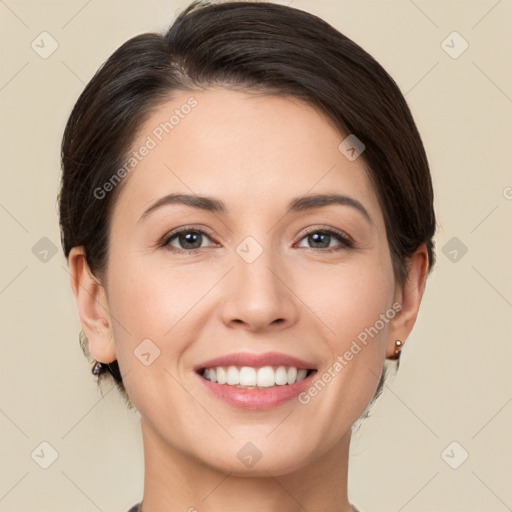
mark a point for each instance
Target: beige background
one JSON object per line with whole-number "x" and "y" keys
{"x": 455, "y": 380}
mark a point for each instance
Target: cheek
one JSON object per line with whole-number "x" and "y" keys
{"x": 355, "y": 302}
{"x": 145, "y": 291}
{"x": 358, "y": 312}
{"x": 139, "y": 309}
{"x": 149, "y": 338}
{"x": 153, "y": 300}
{"x": 350, "y": 299}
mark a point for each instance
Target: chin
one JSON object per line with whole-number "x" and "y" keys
{"x": 249, "y": 461}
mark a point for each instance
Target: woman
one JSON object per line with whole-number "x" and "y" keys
{"x": 247, "y": 212}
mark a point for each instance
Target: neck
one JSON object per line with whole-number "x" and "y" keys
{"x": 176, "y": 481}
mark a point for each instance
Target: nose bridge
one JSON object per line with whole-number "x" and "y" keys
{"x": 255, "y": 267}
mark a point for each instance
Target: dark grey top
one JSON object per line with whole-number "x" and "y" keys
{"x": 136, "y": 508}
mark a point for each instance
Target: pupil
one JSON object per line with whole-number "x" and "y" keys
{"x": 188, "y": 238}
{"x": 316, "y": 236}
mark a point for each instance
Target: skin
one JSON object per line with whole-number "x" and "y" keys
{"x": 255, "y": 153}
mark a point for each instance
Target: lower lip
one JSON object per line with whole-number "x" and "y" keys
{"x": 259, "y": 399}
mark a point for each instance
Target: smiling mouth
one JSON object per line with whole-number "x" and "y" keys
{"x": 248, "y": 377}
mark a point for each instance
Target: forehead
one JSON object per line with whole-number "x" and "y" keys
{"x": 250, "y": 150}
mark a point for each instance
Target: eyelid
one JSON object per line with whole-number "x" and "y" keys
{"x": 346, "y": 241}
{"x": 164, "y": 241}
{"x": 326, "y": 229}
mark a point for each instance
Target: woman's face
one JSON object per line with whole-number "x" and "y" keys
{"x": 256, "y": 276}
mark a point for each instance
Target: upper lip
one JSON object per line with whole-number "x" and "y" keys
{"x": 256, "y": 360}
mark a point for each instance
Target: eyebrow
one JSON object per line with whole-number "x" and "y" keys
{"x": 297, "y": 204}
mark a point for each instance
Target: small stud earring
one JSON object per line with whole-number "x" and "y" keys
{"x": 98, "y": 368}
{"x": 398, "y": 349}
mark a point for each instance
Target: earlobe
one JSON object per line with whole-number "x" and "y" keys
{"x": 92, "y": 306}
{"x": 409, "y": 296}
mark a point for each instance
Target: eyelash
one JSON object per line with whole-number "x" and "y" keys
{"x": 346, "y": 241}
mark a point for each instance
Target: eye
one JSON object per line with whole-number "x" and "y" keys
{"x": 322, "y": 238}
{"x": 190, "y": 240}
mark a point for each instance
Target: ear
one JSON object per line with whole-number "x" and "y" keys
{"x": 92, "y": 305}
{"x": 409, "y": 296}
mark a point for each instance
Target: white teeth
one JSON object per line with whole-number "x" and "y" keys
{"x": 247, "y": 376}
{"x": 281, "y": 376}
{"x": 292, "y": 375}
{"x": 232, "y": 376}
{"x": 301, "y": 375}
{"x": 266, "y": 377}
{"x": 221, "y": 375}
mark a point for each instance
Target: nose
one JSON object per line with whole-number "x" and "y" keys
{"x": 259, "y": 295}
